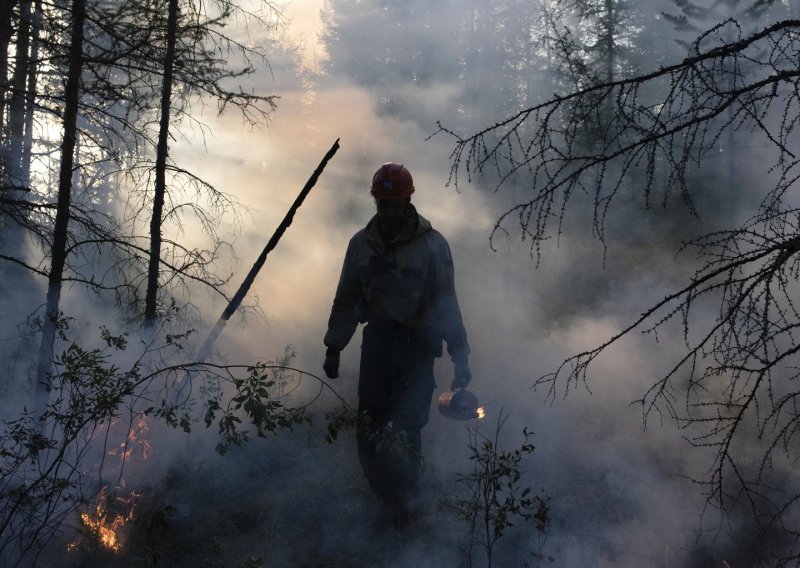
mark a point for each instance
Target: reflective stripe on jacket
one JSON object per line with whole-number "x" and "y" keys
{"x": 409, "y": 281}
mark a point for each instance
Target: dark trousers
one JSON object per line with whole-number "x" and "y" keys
{"x": 395, "y": 386}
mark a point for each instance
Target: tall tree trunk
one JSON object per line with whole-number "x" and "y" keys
{"x": 30, "y": 97}
{"x": 608, "y": 60}
{"x": 16, "y": 115}
{"x": 58, "y": 252}
{"x": 15, "y": 182}
{"x": 161, "y": 166}
{"x": 6, "y": 31}
{"x": 609, "y": 40}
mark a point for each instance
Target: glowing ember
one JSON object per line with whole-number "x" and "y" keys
{"x": 480, "y": 412}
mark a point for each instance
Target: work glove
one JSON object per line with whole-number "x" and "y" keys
{"x": 461, "y": 373}
{"x": 331, "y": 364}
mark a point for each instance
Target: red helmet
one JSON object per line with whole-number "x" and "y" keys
{"x": 392, "y": 181}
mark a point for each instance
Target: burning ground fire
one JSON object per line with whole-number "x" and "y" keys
{"x": 103, "y": 523}
{"x": 480, "y": 412}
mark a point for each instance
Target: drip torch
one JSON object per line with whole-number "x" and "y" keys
{"x": 460, "y": 404}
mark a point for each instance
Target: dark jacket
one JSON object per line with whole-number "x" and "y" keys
{"x": 408, "y": 281}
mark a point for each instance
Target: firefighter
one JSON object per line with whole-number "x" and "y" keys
{"x": 397, "y": 278}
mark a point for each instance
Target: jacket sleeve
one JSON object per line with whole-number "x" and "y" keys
{"x": 342, "y": 322}
{"x": 447, "y": 311}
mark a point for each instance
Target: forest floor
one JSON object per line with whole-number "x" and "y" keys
{"x": 292, "y": 500}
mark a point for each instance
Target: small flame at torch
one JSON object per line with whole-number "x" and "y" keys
{"x": 480, "y": 412}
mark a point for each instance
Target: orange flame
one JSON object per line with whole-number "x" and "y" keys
{"x": 106, "y": 532}
{"x": 135, "y": 441}
{"x": 104, "y": 526}
{"x": 103, "y": 522}
{"x": 480, "y": 412}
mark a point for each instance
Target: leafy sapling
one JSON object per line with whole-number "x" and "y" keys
{"x": 495, "y": 496}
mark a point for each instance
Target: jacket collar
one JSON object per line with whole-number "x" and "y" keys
{"x": 414, "y": 226}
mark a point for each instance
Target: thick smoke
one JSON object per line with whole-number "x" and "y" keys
{"x": 621, "y": 491}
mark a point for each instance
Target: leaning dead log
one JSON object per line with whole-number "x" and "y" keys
{"x": 237, "y": 299}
